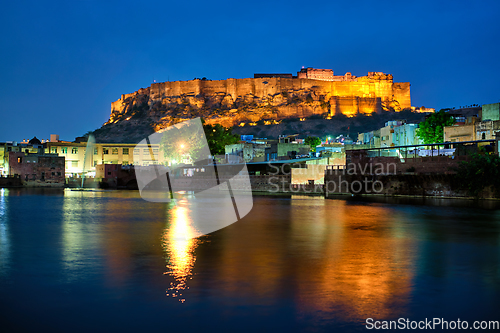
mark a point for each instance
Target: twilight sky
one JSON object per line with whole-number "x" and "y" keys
{"x": 62, "y": 63}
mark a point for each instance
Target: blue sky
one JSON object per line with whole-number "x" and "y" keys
{"x": 63, "y": 63}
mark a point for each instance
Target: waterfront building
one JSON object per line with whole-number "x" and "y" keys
{"x": 37, "y": 169}
{"x": 103, "y": 153}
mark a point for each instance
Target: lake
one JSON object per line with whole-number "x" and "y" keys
{"x": 109, "y": 261}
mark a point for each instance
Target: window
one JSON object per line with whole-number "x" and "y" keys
{"x": 74, "y": 164}
{"x": 105, "y": 151}
{"x": 155, "y": 150}
{"x": 74, "y": 150}
{"x": 96, "y": 151}
{"x": 137, "y": 151}
{"x": 145, "y": 151}
{"x": 53, "y": 174}
{"x": 64, "y": 150}
{"x": 19, "y": 160}
{"x": 53, "y": 150}
{"x": 125, "y": 151}
{"x": 114, "y": 151}
{"x": 125, "y": 163}
{"x": 95, "y": 163}
{"x": 59, "y": 174}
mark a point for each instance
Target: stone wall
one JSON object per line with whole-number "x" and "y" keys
{"x": 232, "y": 101}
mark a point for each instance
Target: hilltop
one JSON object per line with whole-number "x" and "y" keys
{"x": 265, "y": 105}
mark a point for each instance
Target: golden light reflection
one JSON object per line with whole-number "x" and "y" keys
{"x": 79, "y": 235}
{"x": 180, "y": 246}
{"x": 369, "y": 272}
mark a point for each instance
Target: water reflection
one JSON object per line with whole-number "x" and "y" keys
{"x": 366, "y": 268}
{"x": 179, "y": 245}
{"x": 4, "y": 233}
{"x": 81, "y": 232}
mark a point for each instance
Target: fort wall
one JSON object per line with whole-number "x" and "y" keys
{"x": 270, "y": 97}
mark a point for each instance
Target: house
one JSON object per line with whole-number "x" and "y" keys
{"x": 286, "y": 151}
{"x": 37, "y": 169}
{"x": 103, "y": 153}
{"x": 387, "y": 133}
{"x": 248, "y": 151}
{"x": 406, "y": 135}
{"x": 461, "y": 133}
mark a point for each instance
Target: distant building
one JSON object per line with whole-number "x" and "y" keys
{"x": 460, "y": 132}
{"x": 248, "y": 151}
{"x": 27, "y": 146}
{"x": 406, "y": 135}
{"x": 487, "y": 130}
{"x": 286, "y": 76}
{"x": 103, "y": 153}
{"x": 387, "y": 133}
{"x": 286, "y": 151}
{"x": 37, "y": 169}
{"x": 325, "y": 75}
{"x": 491, "y": 112}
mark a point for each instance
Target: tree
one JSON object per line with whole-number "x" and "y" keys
{"x": 480, "y": 172}
{"x": 312, "y": 141}
{"x": 183, "y": 141}
{"x": 218, "y": 137}
{"x": 431, "y": 129}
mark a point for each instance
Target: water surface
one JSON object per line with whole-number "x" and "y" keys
{"x": 109, "y": 261}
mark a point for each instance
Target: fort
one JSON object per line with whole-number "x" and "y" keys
{"x": 271, "y": 97}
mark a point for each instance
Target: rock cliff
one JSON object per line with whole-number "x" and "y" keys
{"x": 244, "y": 102}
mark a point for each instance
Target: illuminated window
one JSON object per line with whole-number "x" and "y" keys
{"x": 125, "y": 163}
{"x": 114, "y": 151}
{"x": 74, "y": 150}
{"x": 19, "y": 160}
{"x": 125, "y": 151}
{"x": 105, "y": 151}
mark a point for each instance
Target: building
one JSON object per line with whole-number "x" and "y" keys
{"x": 490, "y": 112}
{"x": 406, "y": 135}
{"x": 32, "y": 146}
{"x": 487, "y": 130}
{"x": 461, "y": 132}
{"x": 387, "y": 133}
{"x": 326, "y": 75}
{"x": 248, "y": 151}
{"x": 37, "y": 169}
{"x": 264, "y": 75}
{"x": 286, "y": 151}
{"x": 103, "y": 153}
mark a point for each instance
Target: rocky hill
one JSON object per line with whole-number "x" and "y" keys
{"x": 262, "y": 106}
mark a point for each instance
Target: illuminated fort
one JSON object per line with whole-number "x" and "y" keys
{"x": 266, "y": 97}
